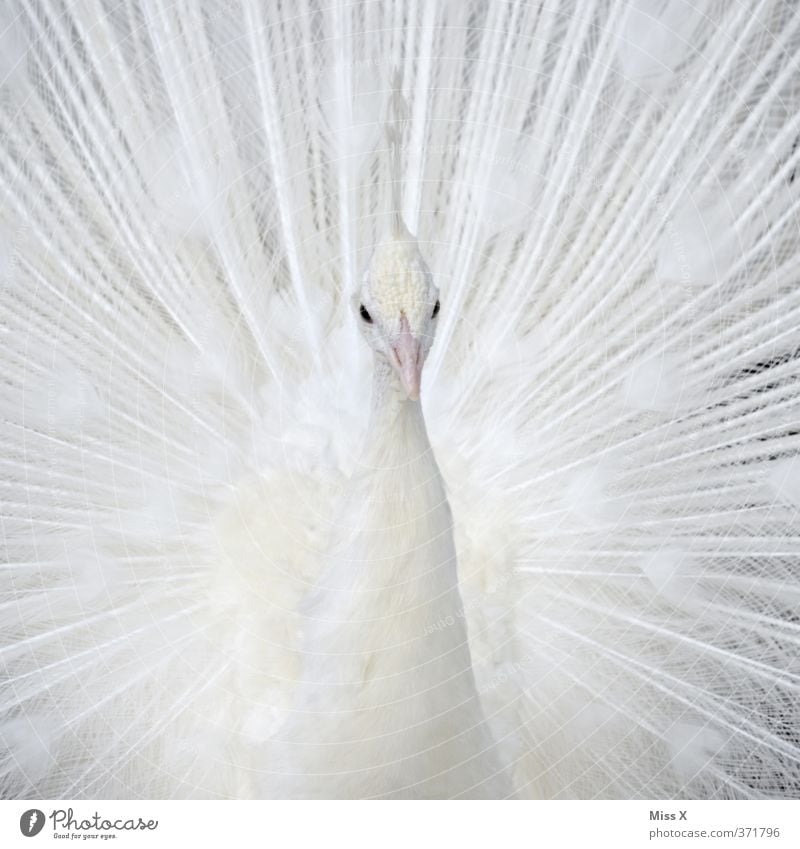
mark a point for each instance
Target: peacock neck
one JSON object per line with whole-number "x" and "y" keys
{"x": 397, "y": 462}
{"x": 381, "y": 672}
{"x": 389, "y": 400}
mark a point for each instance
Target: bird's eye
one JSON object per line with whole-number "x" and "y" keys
{"x": 365, "y": 315}
{"x": 436, "y": 309}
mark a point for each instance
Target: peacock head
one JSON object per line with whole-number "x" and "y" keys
{"x": 397, "y": 309}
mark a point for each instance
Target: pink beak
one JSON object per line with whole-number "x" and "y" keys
{"x": 408, "y": 360}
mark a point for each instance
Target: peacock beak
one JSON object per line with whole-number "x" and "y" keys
{"x": 407, "y": 353}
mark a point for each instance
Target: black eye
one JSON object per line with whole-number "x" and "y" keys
{"x": 365, "y": 315}
{"x": 436, "y": 309}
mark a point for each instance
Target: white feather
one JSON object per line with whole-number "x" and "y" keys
{"x": 656, "y": 384}
{"x": 657, "y": 37}
{"x": 13, "y": 51}
{"x": 785, "y": 479}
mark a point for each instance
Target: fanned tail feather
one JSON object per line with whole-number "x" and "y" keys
{"x": 608, "y": 199}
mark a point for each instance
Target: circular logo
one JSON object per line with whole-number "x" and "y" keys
{"x": 31, "y": 822}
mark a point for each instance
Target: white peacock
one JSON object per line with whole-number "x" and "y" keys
{"x": 225, "y": 574}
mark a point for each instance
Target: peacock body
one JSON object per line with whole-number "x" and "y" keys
{"x": 240, "y": 558}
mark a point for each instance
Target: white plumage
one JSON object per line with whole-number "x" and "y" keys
{"x": 227, "y": 572}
